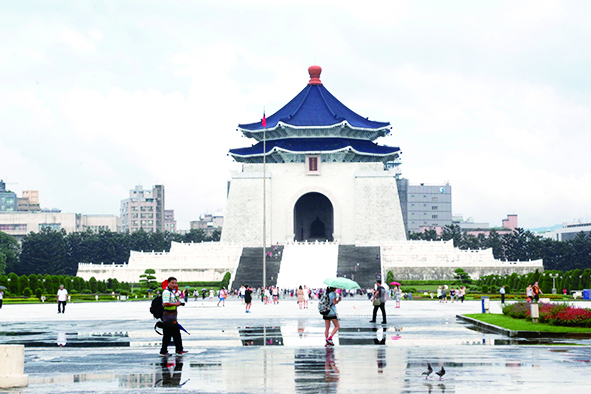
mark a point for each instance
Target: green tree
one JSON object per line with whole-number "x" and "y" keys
{"x": 454, "y": 233}
{"x": 13, "y": 284}
{"x": 33, "y": 282}
{"x": 9, "y": 253}
{"x": 389, "y": 277}
{"x": 147, "y": 279}
{"x": 93, "y": 285}
{"x": 45, "y": 252}
{"x": 462, "y": 276}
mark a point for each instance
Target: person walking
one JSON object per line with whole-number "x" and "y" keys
{"x": 502, "y": 291}
{"x": 331, "y": 317}
{"x": 462, "y": 293}
{"x": 300, "y": 294}
{"x": 537, "y": 291}
{"x": 397, "y": 296}
{"x": 1, "y": 297}
{"x": 379, "y": 302}
{"x": 222, "y": 296}
{"x": 306, "y": 296}
{"x": 62, "y": 299}
{"x": 439, "y": 292}
{"x": 529, "y": 292}
{"x": 247, "y": 298}
{"x": 170, "y": 302}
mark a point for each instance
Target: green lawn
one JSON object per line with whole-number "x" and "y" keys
{"x": 523, "y": 325}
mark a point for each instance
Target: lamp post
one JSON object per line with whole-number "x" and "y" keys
{"x": 554, "y": 276}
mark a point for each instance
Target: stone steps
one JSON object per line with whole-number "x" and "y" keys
{"x": 369, "y": 260}
{"x": 250, "y": 267}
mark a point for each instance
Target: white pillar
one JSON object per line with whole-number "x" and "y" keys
{"x": 12, "y": 366}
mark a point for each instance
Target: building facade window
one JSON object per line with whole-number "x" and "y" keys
{"x": 313, "y": 165}
{"x": 434, "y": 207}
{"x": 432, "y": 217}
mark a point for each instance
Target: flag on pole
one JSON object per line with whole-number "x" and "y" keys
{"x": 264, "y": 120}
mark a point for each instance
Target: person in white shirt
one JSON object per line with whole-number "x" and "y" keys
{"x": 62, "y": 298}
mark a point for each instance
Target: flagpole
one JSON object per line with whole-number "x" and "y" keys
{"x": 264, "y": 200}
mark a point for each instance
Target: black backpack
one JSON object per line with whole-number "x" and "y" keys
{"x": 156, "y": 308}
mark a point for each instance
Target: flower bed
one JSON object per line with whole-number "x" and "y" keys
{"x": 554, "y": 314}
{"x": 514, "y": 296}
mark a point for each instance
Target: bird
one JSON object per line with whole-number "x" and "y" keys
{"x": 440, "y": 373}
{"x": 428, "y": 372}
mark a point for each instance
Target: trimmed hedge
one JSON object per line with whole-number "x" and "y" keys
{"x": 553, "y": 314}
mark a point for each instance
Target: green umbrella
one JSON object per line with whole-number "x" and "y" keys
{"x": 341, "y": 283}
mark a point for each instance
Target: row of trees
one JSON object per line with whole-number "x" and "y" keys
{"x": 570, "y": 280}
{"x": 58, "y": 253}
{"x": 27, "y": 285}
{"x": 521, "y": 245}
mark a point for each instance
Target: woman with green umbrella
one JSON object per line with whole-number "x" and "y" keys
{"x": 331, "y": 317}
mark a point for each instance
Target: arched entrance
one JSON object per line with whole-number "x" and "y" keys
{"x": 313, "y": 218}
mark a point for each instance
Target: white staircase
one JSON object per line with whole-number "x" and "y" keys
{"x": 308, "y": 264}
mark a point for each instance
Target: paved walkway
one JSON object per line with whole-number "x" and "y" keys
{"x": 111, "y": 347}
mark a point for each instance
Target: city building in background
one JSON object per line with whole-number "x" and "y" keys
{"x": 8, "y": 199}
{"x": 19, "y": 224}
{"x": 473, "y": 228}
{"x": 424, "y": 207}
{"x": 568, "y": 231}
{"x": 209, "y": 223}
{"x": 169, "y": 221}
{"x": 143, "y": 209}
{"x": 29, "y": 201}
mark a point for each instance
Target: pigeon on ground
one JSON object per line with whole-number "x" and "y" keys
{"x": 428, "y": 372}
{"x": 440, "y": 373}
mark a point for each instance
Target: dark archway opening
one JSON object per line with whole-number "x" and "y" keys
{"x": 313, "y": 218}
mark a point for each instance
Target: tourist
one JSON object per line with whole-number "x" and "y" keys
{"x": 502, "y": 291}
{"x": 243, "y": 293}
{"x": 462, "y": 293}
{"x": 444, "y": 294}
{"x": 267, "y": 295}
{"x": 306, "y": 296}
{"x": 529, "y": 292}
{"x": 331, "y": 316}
{"x": 247, "y": 298}
{"x": 222, "y": 296}
{"x": 439, "y": 294}
{"x": 186, "y": 295}
{"x": 379, "y": 302}
{"x": 452, "y": 294}
{"x": 195, "y": 294}
{"x": 397, "y": 295}
{"x": 537, "y": 291}
{"x": 275, "y": 293}
{"x": 211, "y": 294}
{"x": 300, "y": 294}
{"x": 62, "y": 299}
{"x": 1, "y": 297}
{"x": 171, "y": 329}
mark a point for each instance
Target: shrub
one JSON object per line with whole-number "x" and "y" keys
{"x": 86, "y": 291}
{"x": 27, "y": 292}
{"x": 73, "y": 291}
{"x": 485, "y": 289}
{"x": 122, "y": 292}
{"x": 408, "y": 289}
{"x": 554, "y": 314}
{"x": 38, "y": 292}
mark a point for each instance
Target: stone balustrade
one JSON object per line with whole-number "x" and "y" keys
{"x": 12, "y": 366}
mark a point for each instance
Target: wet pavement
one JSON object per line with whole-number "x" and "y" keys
{"x": 112, "y": 347}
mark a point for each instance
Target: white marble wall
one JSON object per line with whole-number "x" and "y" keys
{"x": 363, "y": 195}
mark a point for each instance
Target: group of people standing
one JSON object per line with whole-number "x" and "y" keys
{"x": 454, "y": 294}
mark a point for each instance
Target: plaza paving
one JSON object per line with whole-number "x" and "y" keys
{"x": 112, "y": 347}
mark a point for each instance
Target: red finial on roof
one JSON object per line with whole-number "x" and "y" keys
{"x": 314, "y": 72}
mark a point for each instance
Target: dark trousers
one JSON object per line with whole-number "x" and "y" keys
{"x": 61, "y": 306}
{"x": 382, "y": 306}
{"x": 502, "y": 298}
{"x": 171, "y": 331}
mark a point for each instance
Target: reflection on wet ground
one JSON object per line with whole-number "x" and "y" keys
{"x": 283, "y": 355}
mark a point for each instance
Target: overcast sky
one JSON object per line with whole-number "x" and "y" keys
{"x": 494, "y": 97}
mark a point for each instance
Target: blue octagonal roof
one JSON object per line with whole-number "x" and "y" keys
{"x": 315, "y": 106}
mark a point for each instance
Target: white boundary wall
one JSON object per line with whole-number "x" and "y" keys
{"x": 187, "y": 262}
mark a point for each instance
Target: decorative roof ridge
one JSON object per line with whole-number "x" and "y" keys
{"x": 287, "y": 125}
